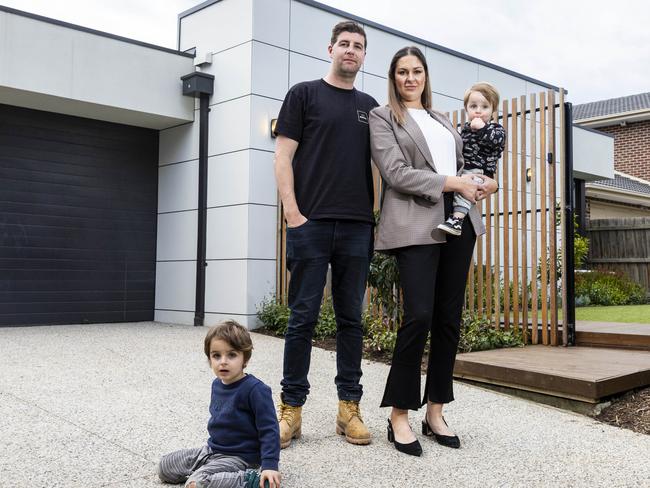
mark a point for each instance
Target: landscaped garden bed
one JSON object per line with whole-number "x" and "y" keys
{"x": 630, "y": 411}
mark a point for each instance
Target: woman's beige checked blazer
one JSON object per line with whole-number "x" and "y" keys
{"x": 412, "y": 206}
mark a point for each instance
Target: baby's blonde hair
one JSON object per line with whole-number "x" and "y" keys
{"x": 487, "y": 90}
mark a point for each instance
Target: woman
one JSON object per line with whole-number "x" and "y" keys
{"x": 419, "y": 155}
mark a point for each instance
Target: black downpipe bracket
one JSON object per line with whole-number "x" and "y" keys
{"x": 201, "y": 85}
{"x": 569, "y": 212}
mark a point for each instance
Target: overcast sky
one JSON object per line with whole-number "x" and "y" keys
{"x": 595, "y": 49}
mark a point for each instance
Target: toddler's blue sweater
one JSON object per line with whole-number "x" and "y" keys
{"x": 243, "y": 422}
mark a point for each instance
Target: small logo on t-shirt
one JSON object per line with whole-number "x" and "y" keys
{"x": 362, "y": 116}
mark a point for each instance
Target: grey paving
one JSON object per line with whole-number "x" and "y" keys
{"x": 96, "y": 405}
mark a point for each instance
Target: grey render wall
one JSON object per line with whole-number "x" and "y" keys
{"x": 259, "y": 49}
{"x": 58, "y": 67}
{"x": 250, "y": 82}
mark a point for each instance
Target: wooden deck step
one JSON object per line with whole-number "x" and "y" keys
{"x": 587, "y": 374}
{"x": 618, "y": 335}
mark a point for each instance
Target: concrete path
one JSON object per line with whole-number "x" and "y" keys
{"x": 97, "y": 405}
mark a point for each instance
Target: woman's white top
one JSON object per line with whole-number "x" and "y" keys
{"x": 440, "y": 141}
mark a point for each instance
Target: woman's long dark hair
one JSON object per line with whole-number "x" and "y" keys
{"x": 394, "y": 100}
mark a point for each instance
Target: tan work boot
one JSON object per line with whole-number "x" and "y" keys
{"x": 350, "y": 423}
{"x": 290, "y": 420}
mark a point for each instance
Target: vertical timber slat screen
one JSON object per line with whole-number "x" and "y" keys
{"x": 543, "y": 205}
{"x": 514, "y": 127}
{"x": 506, "y": 218}
{"x": 533, "y": 216}
{"x": 553, "y": 215}
{"x": 513, "y": 277}
{"x": 563, "y": 206}
{"x": 524, "y": 222}
{"x": 515, "y": 262}
{"x": 496, "y": 278}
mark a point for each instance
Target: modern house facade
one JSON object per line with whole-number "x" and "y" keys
{"x": 100, "y": 158}
{"x": 627, "y": 193}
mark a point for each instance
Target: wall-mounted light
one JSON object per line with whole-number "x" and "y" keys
{"x": 529, "y": 174}
{"x": 273, "y": 124}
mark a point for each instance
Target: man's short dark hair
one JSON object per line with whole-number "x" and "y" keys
{"x": 348, "y": 26}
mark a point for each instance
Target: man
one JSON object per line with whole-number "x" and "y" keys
{"x": 322, "y": 168}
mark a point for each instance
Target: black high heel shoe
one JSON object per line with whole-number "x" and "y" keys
{"x": 444, "y": 440}
{"x": 413, "y": 448}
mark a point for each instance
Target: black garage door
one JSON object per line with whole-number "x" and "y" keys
{"x": 78, "y": 200}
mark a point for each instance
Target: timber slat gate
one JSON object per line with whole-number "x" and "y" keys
{"x": 513, "y": 280}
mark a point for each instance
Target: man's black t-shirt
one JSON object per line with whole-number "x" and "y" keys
{"x": 331, "y": 167}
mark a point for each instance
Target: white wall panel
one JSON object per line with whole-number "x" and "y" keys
{"x": 28, "y": 40}
{"x": 227, "y": 233}
{"x": 533, "y": 88}
{"x": 237, "y": 287}
{"x": 270, "y": 76}
{"x": 217, "y": 27}
{"x": 262, "y": 179}
{"x": 376, "y": 87}
{"x": 52, "y": 67}
{"x": 249, "y": 321}
{"x": 358, "y": 81}
{"x": 382, "y": 46}
{"x": 232, "y": 73}
{"x": 172, "y": 317}
{"x": 262, "y": 231}
{"x": 129, "y": 78}
{"x": 593, "y": 155}
{"x": 262, "y": 111}
{"x": 178, "y": 186}
{"x": 450, "y": 75}
{"x": 261, "y": 283}
{"x": 271, "y": 22}
{"x": 179, "y": 143}
{"x": 304, "y": 68}
{"x": 225, "y": 287}
{"x": 311, "y": 30}
{"x": 176, "y": 239}
{"x": 175, "y": 285}
{"x": 445, "y": 104}
{"x": 228, "y": 180}
{"x": 3, "y": 28}
{"x": 229, "y": 126}
{"x": 507, "y": 85}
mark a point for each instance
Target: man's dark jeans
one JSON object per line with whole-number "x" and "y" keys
{"x": 347, "y": 246}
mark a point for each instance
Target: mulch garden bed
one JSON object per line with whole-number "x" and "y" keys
{"x": 630, "y": 411}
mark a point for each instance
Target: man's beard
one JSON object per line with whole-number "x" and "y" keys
{"x": 347, "y": 72}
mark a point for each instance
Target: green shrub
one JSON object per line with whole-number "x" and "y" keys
{"x": 580, "y": 250}
{"x": 383, "y": 278}
{"x": 274, "y": 315}
{"x": 607, "y": 288}
{"x": 478, "y": 334}
{"x": 378, "y": 334}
